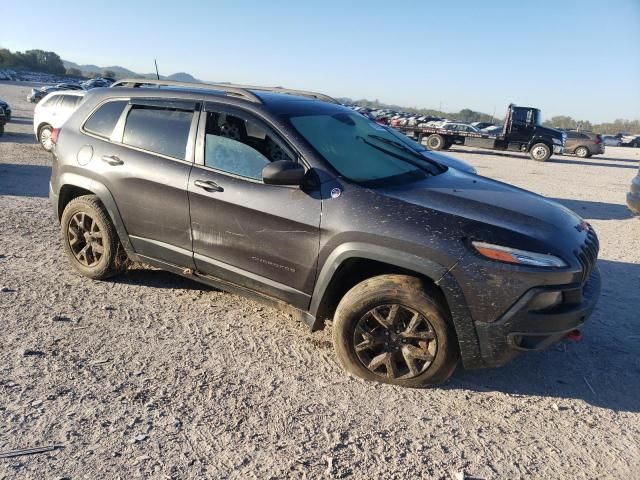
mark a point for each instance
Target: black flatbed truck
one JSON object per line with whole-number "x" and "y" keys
{"x": 522, "y": 132}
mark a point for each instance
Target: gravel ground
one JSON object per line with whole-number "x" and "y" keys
{"x": 152, "y": 375}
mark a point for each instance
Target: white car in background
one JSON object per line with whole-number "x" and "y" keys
{"x": 52, "y": 111}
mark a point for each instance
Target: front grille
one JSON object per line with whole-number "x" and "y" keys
{"x": 588, "y": 254}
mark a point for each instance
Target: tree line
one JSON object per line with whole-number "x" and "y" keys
{"x": 33, "y": 60}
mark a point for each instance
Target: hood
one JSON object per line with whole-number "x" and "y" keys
{"x": 550, "y": 132}
{"x": 4, "y": 104}
{"x": 493, "y": 211}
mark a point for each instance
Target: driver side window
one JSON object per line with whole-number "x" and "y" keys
{"x": 238, "y": 146}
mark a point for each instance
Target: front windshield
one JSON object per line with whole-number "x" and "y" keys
{"x": 361, "y": 150}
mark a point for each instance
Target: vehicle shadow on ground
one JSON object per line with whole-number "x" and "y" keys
{"x": 589, "y": 163}
{"x": 488, "y": 152}
{"x": 18, "y": 137}
{"x": 573, "y": 160}
{"x": 24, "y": 180}
{"x": 603, "y": 369}
{"x": 149, "y": 277}
{"x": 596, "y": 210}
{"x": 21, "y": 120}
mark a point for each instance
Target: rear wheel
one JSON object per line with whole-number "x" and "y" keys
{"x": 394, "y": 329}
{"x": 435, "y": 142}
{"x": 540, "y": 152}
{"x": 44, "y": 137}
{"x": 582, "y": 152}
{"x": 90, "y": 239}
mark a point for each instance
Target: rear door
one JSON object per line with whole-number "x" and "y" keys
{"x": 146, "y": 164}
{"x": 264, "y": 237}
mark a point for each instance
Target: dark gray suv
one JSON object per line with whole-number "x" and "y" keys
{"x": 292, "y": 199}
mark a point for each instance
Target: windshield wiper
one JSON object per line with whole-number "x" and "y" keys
{"x": 395, "y": 155}
{"x": 404, "y": 148}
{"x": 396, "y": 144}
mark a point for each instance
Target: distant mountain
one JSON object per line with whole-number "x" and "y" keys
{"x": 122, "y": 72}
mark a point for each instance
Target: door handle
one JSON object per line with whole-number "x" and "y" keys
{"x": 208, "y": 185}
{"x": 112, "y": 160}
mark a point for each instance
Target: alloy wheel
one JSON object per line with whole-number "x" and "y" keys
{"x": 395, "y": 342}
{"x": 45, "y": 139}
{"x": 85, "y": 239}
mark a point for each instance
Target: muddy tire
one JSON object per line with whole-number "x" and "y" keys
{"x": 540, "y": 152}
{"x": 435, "y": 142}
{"x": 582, "y": 152}
{"x": 90, "y": 239}
{"x": 395, "y": 329}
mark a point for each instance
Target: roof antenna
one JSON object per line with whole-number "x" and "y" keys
{"x": 157, "y": 74}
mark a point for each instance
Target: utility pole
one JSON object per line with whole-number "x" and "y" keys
{"x": 157, "y": 74}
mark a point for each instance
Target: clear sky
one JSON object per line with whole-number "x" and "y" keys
{"x": 574, "y": 57}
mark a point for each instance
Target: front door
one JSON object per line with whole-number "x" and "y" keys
{"x": 264, "y": 237}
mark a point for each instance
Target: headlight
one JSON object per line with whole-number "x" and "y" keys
{"x": 519, "y": 257}
{"x": 558, "y": 141}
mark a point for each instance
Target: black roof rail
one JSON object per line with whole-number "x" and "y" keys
{"x": 243, "y": 91}
{"x": 228, "y": 89}
{"x": 289, "y": 91}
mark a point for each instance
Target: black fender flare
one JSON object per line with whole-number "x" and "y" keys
{"x": 439, "y": 274}
{"x": 103, "y": 193}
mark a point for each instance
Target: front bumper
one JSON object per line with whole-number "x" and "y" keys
{"x": 522, "y": 329}
{"x": 633, "y": 196}
{"x": 558, "y": 149}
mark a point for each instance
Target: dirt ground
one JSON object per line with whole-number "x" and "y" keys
{"x": 151, "y": 375}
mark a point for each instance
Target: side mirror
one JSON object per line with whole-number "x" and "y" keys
{"x": 283, "y": 172}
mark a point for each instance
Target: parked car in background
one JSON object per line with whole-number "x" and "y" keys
{"x": 5, "y": 110}
{"x": 38, "y": 94}
{"x": 631, "y": 141}
{"x": 482, "y": 125}
{"x": 583, "y": 144}
{"x": 52, "y": 112}
{"x": 633, "y": 197}
{"x": 5, "y": 115}
{"x": 96, "y": 83}
{"x": 611, "y": 141}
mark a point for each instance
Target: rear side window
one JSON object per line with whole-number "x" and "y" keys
{"x": 159, "y": 130}
{"x": 69, "y": 101}
{"x": 49, "y": 102}
{"x": 103, "y": 120}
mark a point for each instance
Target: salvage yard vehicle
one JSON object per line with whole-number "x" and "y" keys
{"x": 289, "y": 198}
{"x": 52, "y": 112}
{"x": 633, "y": 197}
{"x": 583, "y": 144}
{"x": 5, "y": 115}
{"x": 522, "y": 132}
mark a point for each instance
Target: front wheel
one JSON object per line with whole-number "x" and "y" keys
{"x": 395, "y": 329}
{"x": 540, "y": 152}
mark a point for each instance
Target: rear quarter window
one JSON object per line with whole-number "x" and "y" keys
{"x": 104, "y": 119}
{"x": 160, "y": 130}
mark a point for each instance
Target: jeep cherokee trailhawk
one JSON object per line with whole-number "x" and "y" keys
{"x": 290, "y": 198}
